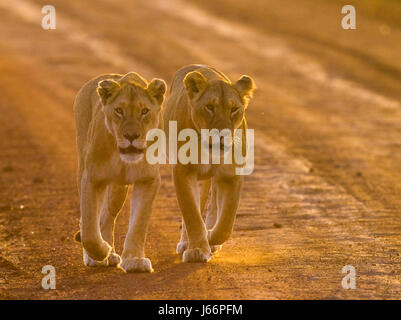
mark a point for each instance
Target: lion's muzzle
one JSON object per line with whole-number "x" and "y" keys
{"x": 131, "y": 149}
{"x": 132, "y": 152}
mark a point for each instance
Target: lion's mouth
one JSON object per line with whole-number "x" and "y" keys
{"x": 131, "y": 150}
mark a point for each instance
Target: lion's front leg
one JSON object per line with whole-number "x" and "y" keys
{"x": 91, "y": 238}
{"x": 188, "y": 199}
{"x": 133, "y": 257}
{"x": 228, "y": 195}
{"x": 183, "y": 244}
{"x": 211, "y": 213}
{"x": 211, "y": 216}
{"x": 113, "y": 202}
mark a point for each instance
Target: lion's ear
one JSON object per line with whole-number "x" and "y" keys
{"x": 195, "y": 82}
{"x": 106, "y": 89}
{"x": 245, "y": 87}
{"x": 157, "y": 89}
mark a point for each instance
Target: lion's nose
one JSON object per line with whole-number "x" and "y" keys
{"x": 131, "y": 136}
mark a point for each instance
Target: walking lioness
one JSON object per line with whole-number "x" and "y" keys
{"x": 204, "y": 98}
{"x": 113, "y": 114}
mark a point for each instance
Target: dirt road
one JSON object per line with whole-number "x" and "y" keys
{"x": 326, "y": 190}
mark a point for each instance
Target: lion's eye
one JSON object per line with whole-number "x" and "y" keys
{"x": 145, "y": 111}
{"x": 234, "y": 110}
{"x": 119, "y": 111}
{"x": 210, "y": 108}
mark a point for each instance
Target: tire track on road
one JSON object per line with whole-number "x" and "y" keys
{"x": 270, "y": 48}
{"x": 291, "y": 184}
{"x": 103, "y": 50}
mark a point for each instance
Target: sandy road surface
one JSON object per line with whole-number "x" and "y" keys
{"x": 326, "y": 188}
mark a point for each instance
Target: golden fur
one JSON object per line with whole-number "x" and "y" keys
{"x": 203, "y": 98}
{"x": 113, "y": 113}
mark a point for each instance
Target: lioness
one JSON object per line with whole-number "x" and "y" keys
{"x": 113, "y": 114}
{"x": 204, "y": 98}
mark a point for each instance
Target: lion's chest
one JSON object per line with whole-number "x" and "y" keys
{"x": 129, "y": 173}
{"x": 218, "y": 170}
{"x": 120, "y": 172}
{"x": 205, "y": 171}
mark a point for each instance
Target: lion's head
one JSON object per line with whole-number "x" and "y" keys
{"x": 217, "y": 103}
{"x": 132, "y": 107}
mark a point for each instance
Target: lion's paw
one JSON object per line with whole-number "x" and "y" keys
{"x": 89, "y": 262}
{"x": 98, "y": 251}
{"x": 136, "y": 265}
{"x": 195, "y": 255}
{"x": 181, "y": 247}
{"x": 112, "y": 261}
{"x": 216, "y": 248}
